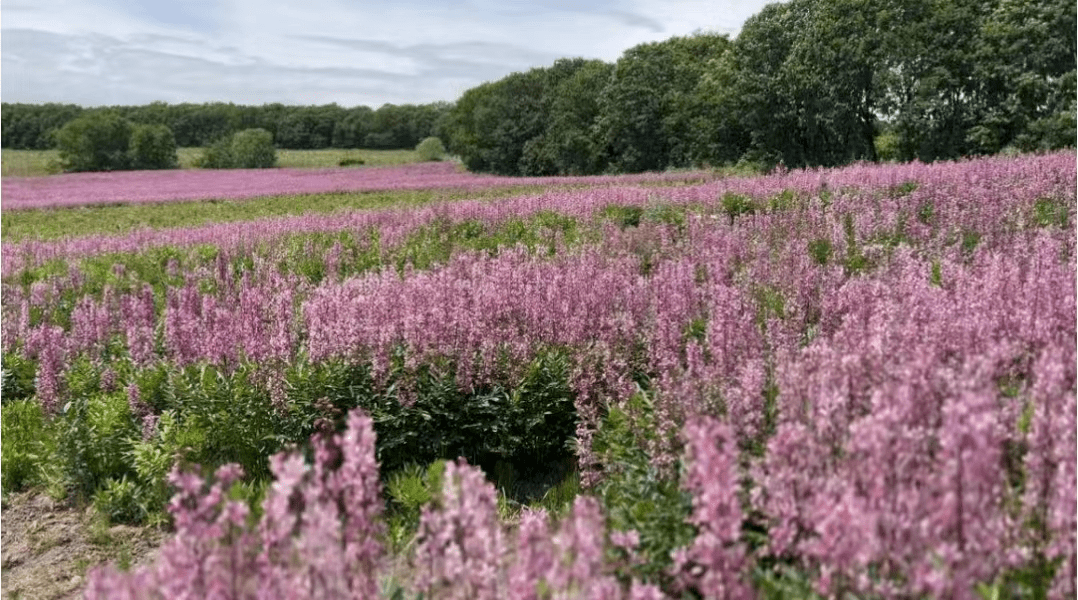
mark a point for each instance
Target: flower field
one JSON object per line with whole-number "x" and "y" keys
{"x": 857, "y": 382}
{"x": 122, "y": 187}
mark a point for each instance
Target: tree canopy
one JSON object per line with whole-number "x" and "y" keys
{"x": 805, "y": 83}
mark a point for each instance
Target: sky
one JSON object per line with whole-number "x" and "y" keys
{"x": 369, "y": 52}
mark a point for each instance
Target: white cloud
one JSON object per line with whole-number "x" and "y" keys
{"x": 317, "y": 51}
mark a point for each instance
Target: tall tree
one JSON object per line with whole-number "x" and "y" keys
{"x": 644, "y": 119}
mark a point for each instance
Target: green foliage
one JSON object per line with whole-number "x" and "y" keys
{"x": 735, "y": 205}
{"x": 648, "y": 108}
{"x": 524, "y": 124}
{"x": 18, "y": 377}
{"x": 623, "y": 216}
{"x": 1048, "y": 212}
{"x": 936, "y": 276}
{"x": 820, "y": 250}
{"x": 118, "y": 500}
{"x": 421, "y": 415}
{"x": 34, "y": 126}
{"x": 95, "y": 142}
{"x": 29, "y": 444}
{"x": 887, "y": 147}
{"x": 217, "y": 156}
{"x": 634, "y": 495}
{"x": 152, "y": 147}
{"x": 253, "y": 149}
{"x": 409, "y": 489}
{"x": 926, "y": 213}
{"x": 430, "y": 149}
{"x": 247, "y": 149}
{"x": 903, "y": 189}
{"x": 95, "y": 432}
{"x": 231, "y": 418}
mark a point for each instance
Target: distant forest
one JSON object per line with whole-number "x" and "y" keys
{"x": 805, "y": 83}
{"x": 33, "y": 126}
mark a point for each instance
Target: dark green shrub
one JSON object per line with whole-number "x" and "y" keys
{"x": 152, "y": 147}
{"x": 253, "y": 149}
{"x": 350, "y": 162}
{"x": 634, "y": 494}
{"x": 247, "y": 149}
{"x": 430, "y": 149}
{"x": 28, "y": 445}
{"x": 95, "y": 433}
{"x": 18, "y": 377}
{"x": 624, "y": 216}
{"x": 97, "y": 141}
{"x": 527, "y": 422}
{"x": 217, "y": 156}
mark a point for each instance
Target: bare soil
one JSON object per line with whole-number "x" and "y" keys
{"x": 48, "y": 547}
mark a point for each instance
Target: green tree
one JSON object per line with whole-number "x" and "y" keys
{"x": 570, "y": 145}
{"x": 33, "y": 126}
{"x": 247, "y": 149}
{"x": 97, "y": 141}
{"x": 152, "y": 147}
{"x": 494, "y": 127}
{"x": 646, "y": 107}
{"x": 1025, "y": 76}
{"x": 749, "y": 86}
{"x": 253, "y": 149}
{"x": 430, "y": 149}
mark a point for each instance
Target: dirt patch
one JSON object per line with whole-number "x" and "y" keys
{"x": 48, "y": 547}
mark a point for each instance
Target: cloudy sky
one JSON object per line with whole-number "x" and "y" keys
{"x": 100, "y": 52}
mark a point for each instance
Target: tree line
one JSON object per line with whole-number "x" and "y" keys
{"x": 805, "y": 83}
{"x": 392, "y": 126}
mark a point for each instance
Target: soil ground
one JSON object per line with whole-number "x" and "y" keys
{"x": 48, "y": 547}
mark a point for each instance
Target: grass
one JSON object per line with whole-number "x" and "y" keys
{"x": 38, "y": 163}
{"x": 112, "y": 219}
{"x": 28, "y": 163}
{"x": 331, "y": 157}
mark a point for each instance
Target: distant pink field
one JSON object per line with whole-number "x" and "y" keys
{"x": 75, "y": 189}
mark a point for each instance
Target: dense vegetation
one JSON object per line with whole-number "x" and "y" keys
{"x": 805, "y": 83}
{"x": 33, "y": 126}
{"x": 819, "y": 383}
{"x": 107, "y": 142}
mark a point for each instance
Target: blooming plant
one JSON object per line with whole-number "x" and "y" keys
{"x": 849, "y": 382}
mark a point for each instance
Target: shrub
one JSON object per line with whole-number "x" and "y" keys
{"x": 253, "y": 149}
{"x": 247, "y": 149}
{"x": 152, "y": 147}
{"x": 95, "y": 142}
{"x": 431, "y": 149}
{"x": 217, "y": 156}
{"x": 28, "y": 445}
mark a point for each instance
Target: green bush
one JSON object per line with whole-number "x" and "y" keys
{"x": 430, "y": 149}
{"x": 97, "y": 141}
{"x": 634, "y": 494}
{"x": 95, "y": 434}
{"x": 253, "y": 149}
{"x": 247, "y": 149}
{"x": 152, "y": 147}
{"x": 217, "y": 156}
{"x": 27, "y": 444}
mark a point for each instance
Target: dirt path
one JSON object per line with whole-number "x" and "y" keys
{"x": 48, "y": 547}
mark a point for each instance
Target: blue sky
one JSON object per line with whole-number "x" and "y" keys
{"x": 316, "y": 51}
